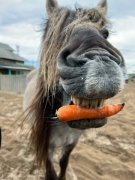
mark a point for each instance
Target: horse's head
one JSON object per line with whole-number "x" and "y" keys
{"x": 77, "y": 61}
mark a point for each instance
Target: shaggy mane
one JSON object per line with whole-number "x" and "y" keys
{"x": 57, "y": 32}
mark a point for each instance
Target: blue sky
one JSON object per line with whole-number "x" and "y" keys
{"x": 21, "y": 23}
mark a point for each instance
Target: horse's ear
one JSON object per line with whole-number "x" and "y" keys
{"x": 102, "y": 6}
{"x": 51, "y": 5}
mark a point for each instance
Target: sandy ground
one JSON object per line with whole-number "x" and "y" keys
{"x": 107, "y": 153}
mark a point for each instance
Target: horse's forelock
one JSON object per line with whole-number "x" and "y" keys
{"x": 52, "y": 43}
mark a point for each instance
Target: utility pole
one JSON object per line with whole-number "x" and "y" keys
{"x": 17, "y": 49}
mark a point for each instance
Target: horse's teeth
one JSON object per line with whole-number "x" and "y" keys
{"x": 94, "y": 103}
{"x": 71, "y": 98}
{"x": 75, "y": 101}
{"x": 87, "y": 103}
{"x": 102, "y": 102}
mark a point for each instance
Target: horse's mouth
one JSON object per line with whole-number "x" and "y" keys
{"x": 87, "y": 123}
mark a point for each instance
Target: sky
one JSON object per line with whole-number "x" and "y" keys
{"x": 21, "y": 24}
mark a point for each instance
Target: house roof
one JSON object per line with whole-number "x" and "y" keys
{"x": 14, "y": 66}
{"x": 6, "y": 52}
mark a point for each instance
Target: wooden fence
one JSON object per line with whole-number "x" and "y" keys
{"x": 14, "y": 83}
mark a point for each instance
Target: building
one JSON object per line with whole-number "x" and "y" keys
{"x": 11, "y": 62}
{"x": 132, "y": 77}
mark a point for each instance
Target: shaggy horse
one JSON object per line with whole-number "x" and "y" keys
{"x": 77, "y": 66}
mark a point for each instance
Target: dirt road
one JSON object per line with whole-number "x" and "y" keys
{"x": 102, "y": 154}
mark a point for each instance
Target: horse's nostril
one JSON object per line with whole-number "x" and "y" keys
{"x": 69, "y": 59}
{"x": 76, "y": 61}
{"x": 65, "y": 54}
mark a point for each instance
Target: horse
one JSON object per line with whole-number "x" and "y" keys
{"x": 78, "y": 65}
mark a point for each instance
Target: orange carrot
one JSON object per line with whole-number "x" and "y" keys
{"x": 73, "y": 112}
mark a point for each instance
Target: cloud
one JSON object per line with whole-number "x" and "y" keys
{"x": 81, "y": 3}
{"x": 124, "y": 29}
{"x": 118, "y": 8}
{"x": 23, "y": 34}
{"x": 20, "y": 21}
{"x": 20, "y": 10}
{"x": 123, "y": 38}
{"x": 121, "y": 8}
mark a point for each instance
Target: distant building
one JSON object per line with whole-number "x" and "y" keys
{"x": 132, "y": 77}
{"x": 12, "y": 63}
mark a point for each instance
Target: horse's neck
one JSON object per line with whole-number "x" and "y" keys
{"x": 62, "y": 135}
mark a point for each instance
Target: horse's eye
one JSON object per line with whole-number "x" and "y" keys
{"x": 105, "y": 33}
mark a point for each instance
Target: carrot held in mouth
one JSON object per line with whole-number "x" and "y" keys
{"x": 73, "y": 112}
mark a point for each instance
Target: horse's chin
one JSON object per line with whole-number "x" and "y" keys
{"x": 87, "y": 123}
